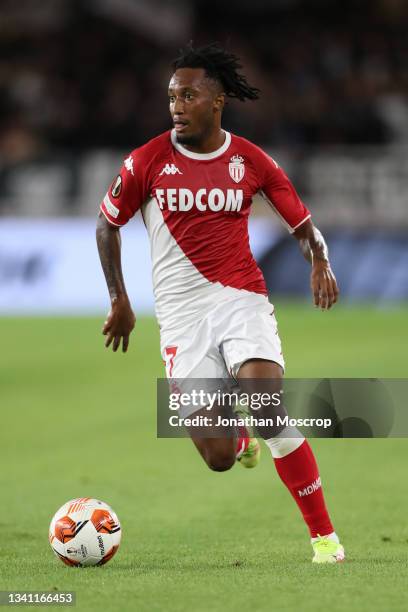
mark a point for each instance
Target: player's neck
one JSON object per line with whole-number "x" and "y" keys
{"x": 213, "y": 142}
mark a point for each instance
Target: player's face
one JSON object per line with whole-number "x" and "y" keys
{"x": 195, "y": 105}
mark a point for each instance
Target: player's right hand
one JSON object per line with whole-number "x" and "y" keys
{"x": 119, "y": 324}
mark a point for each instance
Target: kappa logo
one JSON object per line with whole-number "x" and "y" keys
{"x": 237, "y": 168}
{"x": 170, "y": 169}
{"x": 129, "y": 164}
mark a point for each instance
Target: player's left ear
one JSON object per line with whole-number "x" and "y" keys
{"x": 219, "y": 102}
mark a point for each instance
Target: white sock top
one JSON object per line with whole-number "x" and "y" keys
{"x": 287, "y": 441}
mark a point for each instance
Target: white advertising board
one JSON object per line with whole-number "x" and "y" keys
{"x": 51, "y": 266}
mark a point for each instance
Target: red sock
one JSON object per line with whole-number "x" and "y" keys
{"x": 242, "y": 445}
{"x": 299, "y": 471}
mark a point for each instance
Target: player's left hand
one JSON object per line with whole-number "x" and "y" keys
{"x": 324, "y": 285}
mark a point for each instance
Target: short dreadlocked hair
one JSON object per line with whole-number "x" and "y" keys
{"x": 219, "y": 65}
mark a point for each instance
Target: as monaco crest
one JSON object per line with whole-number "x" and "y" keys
{"x": 237, "y": 168}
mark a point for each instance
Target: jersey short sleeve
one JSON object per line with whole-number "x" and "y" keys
{"x": 127, "y": 192}
{"x": 281, "y": 195}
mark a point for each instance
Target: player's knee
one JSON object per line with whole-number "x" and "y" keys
{"x": 220, "y": 462}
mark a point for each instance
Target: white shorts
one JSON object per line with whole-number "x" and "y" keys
{"x": 227, "y": 336}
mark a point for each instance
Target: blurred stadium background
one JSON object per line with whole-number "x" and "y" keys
{"x": 83, "y": 82}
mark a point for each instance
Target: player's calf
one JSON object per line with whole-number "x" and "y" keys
{"x": 220, "y": 463}
{"x": 218, "y": 453}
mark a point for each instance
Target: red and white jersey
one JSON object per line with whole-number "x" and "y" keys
{"x": 195, "y": 207}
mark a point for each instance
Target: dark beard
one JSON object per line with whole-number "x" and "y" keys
{"x": 192, "y": 140}
{"x": 195, "y": 140}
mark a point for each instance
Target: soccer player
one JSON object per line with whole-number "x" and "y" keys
{"x": 194, "y": 186}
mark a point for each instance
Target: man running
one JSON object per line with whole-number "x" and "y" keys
{"x": 194, "y": 186}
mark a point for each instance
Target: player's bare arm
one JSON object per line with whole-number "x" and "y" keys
{"x": 322, "y": 280}
{"x": 121, "y": 319}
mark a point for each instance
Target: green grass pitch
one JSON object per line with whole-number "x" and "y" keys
{"x": 77, "y": 420}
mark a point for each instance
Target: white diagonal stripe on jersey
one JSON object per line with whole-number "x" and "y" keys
{"x": 182, "y": 294}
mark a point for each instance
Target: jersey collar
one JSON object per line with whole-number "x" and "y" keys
{"x": 202, "y": 156}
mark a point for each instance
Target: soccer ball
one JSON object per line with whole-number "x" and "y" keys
{"x": 84, "y": 532}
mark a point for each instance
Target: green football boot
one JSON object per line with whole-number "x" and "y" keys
{"x": 248, "y": 447}
{"x": 327, "y": 551}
